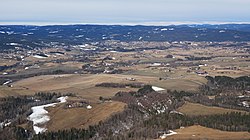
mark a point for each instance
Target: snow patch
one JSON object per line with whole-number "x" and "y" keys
{"x": 176, "y": 112}
{"x": 53, "y": 32}
{"x": 156, "y": 64}
{"x": 83, "y": 46}
{"x": 7, "y": 82}
{"x": 164, "y": 29}
{"x": 39, "y": 115}
{"x": 245, "y": 104}
{"x": 157, "y": 88}
{"x": 39, "y": 129}
{"x": 169, "y": 134}
{"x": 89, "y": 107}
{"x": 62, "y": 99}
{"x": 241, "y": 96}
{"x": 162, "y": 110}
{"x": 13, "y": 44}
{"x": 79, "y": 36}
{"x": 38, "y": 56}
{"x": 10, "y": 32}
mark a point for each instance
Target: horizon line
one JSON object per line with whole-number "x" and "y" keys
{"x": 122, "y": 23}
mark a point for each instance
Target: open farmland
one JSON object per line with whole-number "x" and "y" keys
{"x": 197, "y": 132}
{"x": 194, "y": 109}
{"x": 62, "y": 118}
{"x": 82, "y": 85}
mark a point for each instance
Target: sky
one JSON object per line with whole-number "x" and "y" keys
{"x": 123, "y": 11}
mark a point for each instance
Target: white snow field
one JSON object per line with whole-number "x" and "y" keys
{"x": 38, "y": 56}
{"x": 39, "y": 115}
{"x": 157, "y": 88}
{"x": 169, "y": 134}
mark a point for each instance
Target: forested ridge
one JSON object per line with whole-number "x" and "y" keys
{"x": 15, "y": 110}
{"x": 151, "y": 127}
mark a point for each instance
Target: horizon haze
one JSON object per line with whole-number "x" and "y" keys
{"x": 147, "y": 12}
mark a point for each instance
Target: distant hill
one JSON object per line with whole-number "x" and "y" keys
{"x": 46, "y": 36}
{"x": 235, "y": 27}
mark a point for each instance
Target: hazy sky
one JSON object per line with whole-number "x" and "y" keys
{"x": 124, "y": 11}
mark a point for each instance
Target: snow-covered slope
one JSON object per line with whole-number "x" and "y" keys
{"x": 40, "y": 115}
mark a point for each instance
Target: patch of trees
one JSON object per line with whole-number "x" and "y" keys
{"x": 140, "y": 93}
{"x": 101, "y": 68}
{"x": 180, "y": 94}
{"x": 226, "y": 91}
{"x": 47, "y": 95}
{"x": 72, "y": 134}
{"x": 116, "y": 71}
{"x": 11, "y": 107}
{"x": 5, "y": 67}
{"x": 167, "y": 121}
{"x": 57, "y": 52}
{"x": 120, "y": 85}
{"x": 138, "y": 49}
{"x": 148, "y": 101}
{"x": 225, "y": 82}
{"x": 19, "y": 76}
{"x": 122, "y": 49}
{"x": 15, "y": 133}
{"x": 51, "y": 95}
{"x": 146, "y": 89}
{"x": 104, "y": 99}
{"x": 234, "y": 121}
{"x": 95, "y": 70}
{"x": 193, "y": 58}
{"x": 224, "y": 101}
{"x": 169, "y": 56}
{"x": 42, "y": 55}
